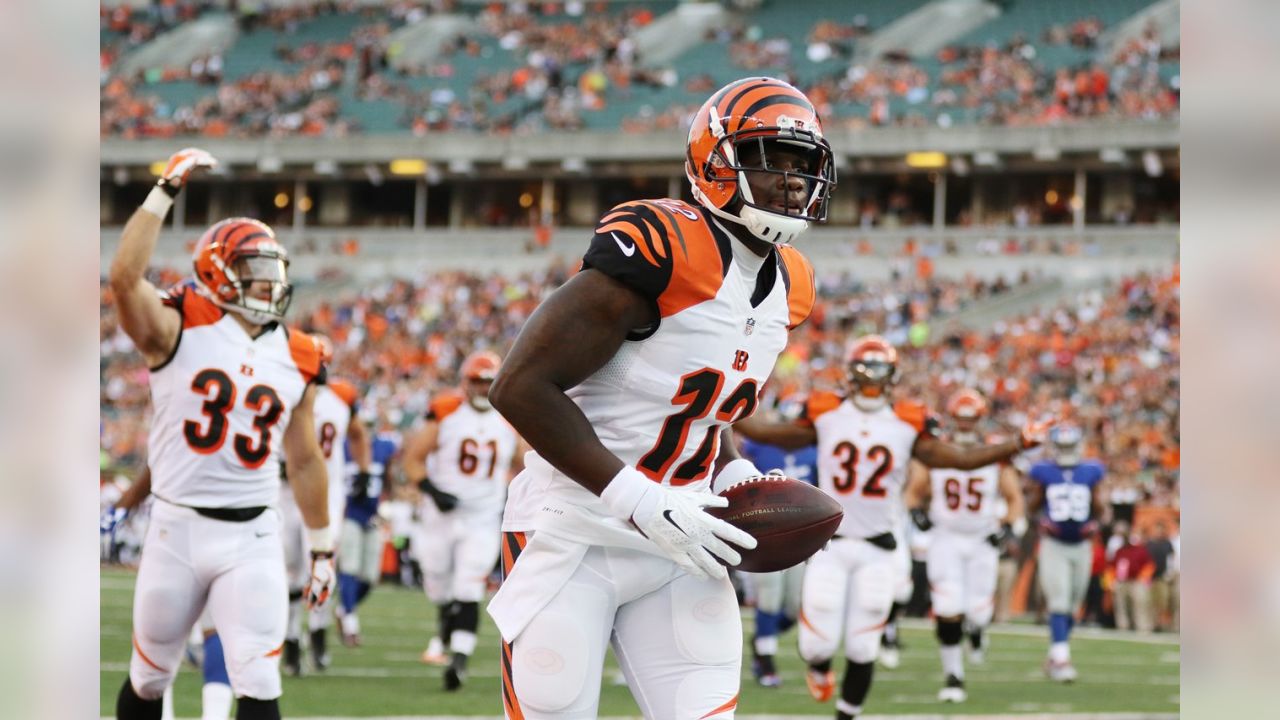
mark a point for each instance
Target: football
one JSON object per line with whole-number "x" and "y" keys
{"x": 790, "y": 519}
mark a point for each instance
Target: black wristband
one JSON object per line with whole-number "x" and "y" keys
{"x": 169, "y": 188}
{"x": 321, "y": 554}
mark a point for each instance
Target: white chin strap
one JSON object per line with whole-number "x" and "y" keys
{"x": 869, "y": 404}
{"x": 769, "y": 227}
{"x": 481, "y": 403}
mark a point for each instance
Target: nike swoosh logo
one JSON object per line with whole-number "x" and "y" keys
{"x": 261, "y": 534}
{"x": 667, "y": 515}
{"x": 627, "y": 250}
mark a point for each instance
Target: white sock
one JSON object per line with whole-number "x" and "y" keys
{"x": 1060, "y": 653}
{"x": 216, "y": 701}
{"x": 952, "y": 660}
{"x": 351, "y": 624}
{"x": 462, "y": 641}
{"x": 166, "y": 704}
{"x": 767, "y": 645}
{"x": 849, "y": 708}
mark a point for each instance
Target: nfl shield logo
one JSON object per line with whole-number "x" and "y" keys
{"x": 751, "y": 326}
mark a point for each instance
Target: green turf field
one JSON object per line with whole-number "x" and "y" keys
{"x": 385, "y": 677}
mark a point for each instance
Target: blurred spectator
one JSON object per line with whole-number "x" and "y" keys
{"x": 1133, "y": 570}
{"x": 1164, "y": 583}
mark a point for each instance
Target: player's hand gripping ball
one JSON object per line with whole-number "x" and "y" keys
{"x": 790, "y": 519}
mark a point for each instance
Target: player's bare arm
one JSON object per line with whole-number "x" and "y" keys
{"x": 360, "y": 443}
{"x": 417, "y": 447}
{"x": 137, "y": 492}
{"x": 151, "y": 325}
{"x": 1011, "y": 491}
{"x": 517, "y": 461}
{"x": 936, "y": 453}
{"x": 570, "y": 336}
{"x": 790, "y": 436}
{"x": 919, "y": 491}
{"x": 307, "y": 476}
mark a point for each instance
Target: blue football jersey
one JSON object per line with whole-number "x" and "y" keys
{"x": 800, "y": 464}
{"x": 1068, "y": 494}
{"x": 363, "y": 508}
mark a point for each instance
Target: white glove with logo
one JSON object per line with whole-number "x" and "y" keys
{"x": 675, "y": 522}
{"x": 320, "y": 583}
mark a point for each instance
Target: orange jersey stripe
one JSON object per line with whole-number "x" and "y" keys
{"x": 138, "y": 648}
{"x": 444, "y": 405}
{"x": 306, "y": 354}
{"x": 731, "y": 704}
{"x": 803, "y": 288}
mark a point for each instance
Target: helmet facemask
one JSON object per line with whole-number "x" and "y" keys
{"x": 1067, "y": 442}
{"x": 750, "y": 151}
{"x": 246, "y": 275}
{"x": 871, "y": 381}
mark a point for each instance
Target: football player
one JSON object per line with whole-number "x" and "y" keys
{"x": 967, "y": 533}
{"x": 231, "y": 387}
{"x": 865, "y": 443}
{"x": 360, "y": 547}
{"x": 625, "y": 382}
{"x": 1065, "y": 497}
{"x": 777, "y": 593}
{"x": 474, "y": 453}
{"x": 341, "y": 434}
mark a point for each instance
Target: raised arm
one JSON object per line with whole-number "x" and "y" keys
{"x": 935, "y": 453}
{"x": 151, "y": 325}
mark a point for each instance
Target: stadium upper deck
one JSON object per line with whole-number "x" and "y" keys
{"x": 336, "y": 69}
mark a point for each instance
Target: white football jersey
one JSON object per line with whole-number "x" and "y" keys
{"x": 660, "y": 403}
{"x": 335, "y": 410}
{"x": 966, "y": 501}
{"x": 863, "y": 459}
{"x": 222, "y": 402}
{"x": 473, "y": 454}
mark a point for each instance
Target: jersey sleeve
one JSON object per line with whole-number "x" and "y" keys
{"x": 818, "y": 404}
{"x": 443, "y": 406}
{"x": 1039, "y": 473}
{"x": 802, "y": 286}
{"x": 193, "y": 306}
{"x": 347, "y": 392}
{"x": 663, "y": 249}
{"x": 918, "y": 416}
{"x": 306, "y": 354}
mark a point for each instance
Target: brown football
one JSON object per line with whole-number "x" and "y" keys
{"x": 790, "y": 519}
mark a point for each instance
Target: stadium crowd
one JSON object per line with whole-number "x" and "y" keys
{"x": 1108, "y": 360}
{"x": 547, "y": 66}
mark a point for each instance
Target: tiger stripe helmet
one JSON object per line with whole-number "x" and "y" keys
{"x": 872, "y": 367}
{"x": 234, "y": 255}
{"x": 967, "y": 404}
{"x": 766, "y": 111}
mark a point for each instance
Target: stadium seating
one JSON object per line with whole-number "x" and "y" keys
{"x": 459, "y": 71}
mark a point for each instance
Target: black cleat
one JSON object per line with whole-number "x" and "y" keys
{"x": 292, "y": 658}
{"x": 456, "y": 674}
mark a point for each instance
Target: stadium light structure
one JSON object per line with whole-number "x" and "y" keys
{"x": 1046, "y": 153}
{"x": 930, "y": 160}
{"x": 1115, "y": 156}
{"x": 986, "y": 158}
{"x": 409, "y": 166}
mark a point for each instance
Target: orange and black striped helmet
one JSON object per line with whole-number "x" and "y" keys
{"x": 232, "y": 258}
{"x": 774, "y": 117}
{"x": 872, "y": 364}
{"x": 967, "y": 404}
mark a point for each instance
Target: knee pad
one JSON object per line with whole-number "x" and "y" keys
{"x": 873, "y": 590}
{"x": 864, "y": 647}
{"x": 437, "y": 587}
{"x": 469, "y": 589}
{"x": 946, "y": 598}
{"x": 950, "y": 632}
{"x": 705, "y": 621}
{"x": 549, "y": 659}
{"x": 769, "y": 592}
{"x": 258, "y": 678}
{"x": 980, "y": 612}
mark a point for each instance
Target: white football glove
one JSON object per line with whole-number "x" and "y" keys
{"x": 182, "y": 163}
{"x": 675, "y": 522}
{"x": 320, "y": 583}
{"x": 734, "y": 473}
{"x": 1036, "y": 432}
